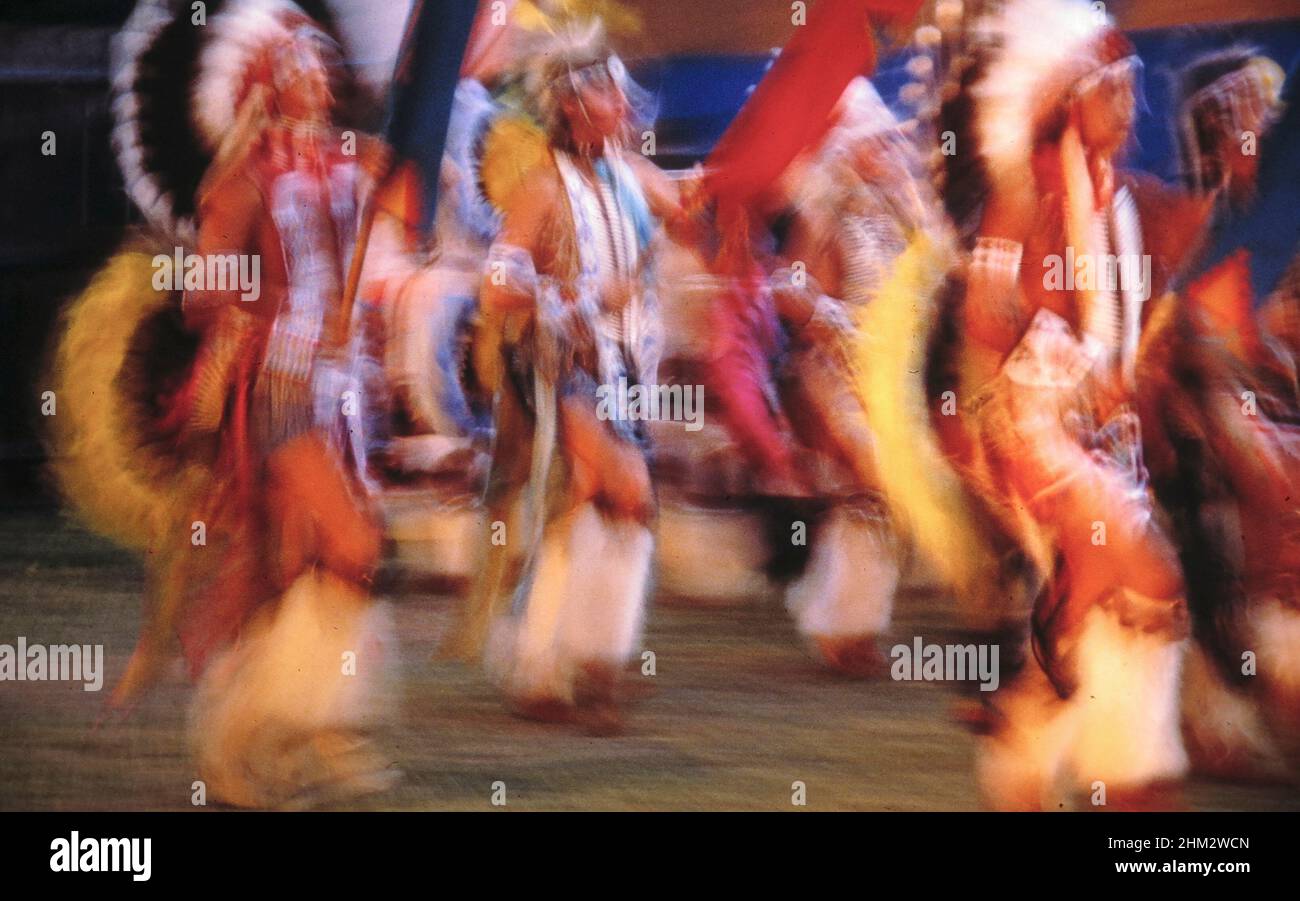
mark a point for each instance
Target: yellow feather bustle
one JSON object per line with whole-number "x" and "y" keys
{"x": 926, "y": 495}
{"x": 106, "y": 477}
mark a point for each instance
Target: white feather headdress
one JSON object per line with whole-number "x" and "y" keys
{"x": 1041, "y": 48}
{"x": 177, "y": 82}
{"x": 242, "y": 31}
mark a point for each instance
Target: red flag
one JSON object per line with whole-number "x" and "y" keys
{"x": 791, "y": 107}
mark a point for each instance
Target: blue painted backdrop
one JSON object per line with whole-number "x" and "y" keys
{"x": 699, "y": 95}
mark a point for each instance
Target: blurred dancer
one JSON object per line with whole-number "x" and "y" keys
{"x": 264, "y": 562}
{"x": 1228, "y": 100}
{"x": 300, "y": 530}
{"x": 567, "y": 294}
{"x": 756, "y": 324}
{"x": 1224, "y": 436}
{"x": 852, "y": 215}
{"x": 1047, "y": 385}
{"x": 1219, "y": 401}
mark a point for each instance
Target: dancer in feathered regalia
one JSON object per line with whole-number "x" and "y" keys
{"x": 1220, "y": 418}
{"x": 857, "y": 204}
{"x": 567, "y": 293}
{"x": 263, "y": 562}
{"x": 1040, "y": 101}
{"x": 811, "y": 203}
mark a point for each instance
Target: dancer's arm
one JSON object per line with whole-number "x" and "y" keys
{"x": 667, "y": 201}
{"x": 228, "y": 216}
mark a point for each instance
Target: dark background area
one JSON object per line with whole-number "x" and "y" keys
{"x": 60, "y": 215}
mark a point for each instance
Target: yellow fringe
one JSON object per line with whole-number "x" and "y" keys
{"x": 926, "y": 496}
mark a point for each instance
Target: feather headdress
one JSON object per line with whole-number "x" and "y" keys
{"x": 1224, "y": 92}
{"x": 178, "y": 80}
{"x": 1043, "y": 52}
